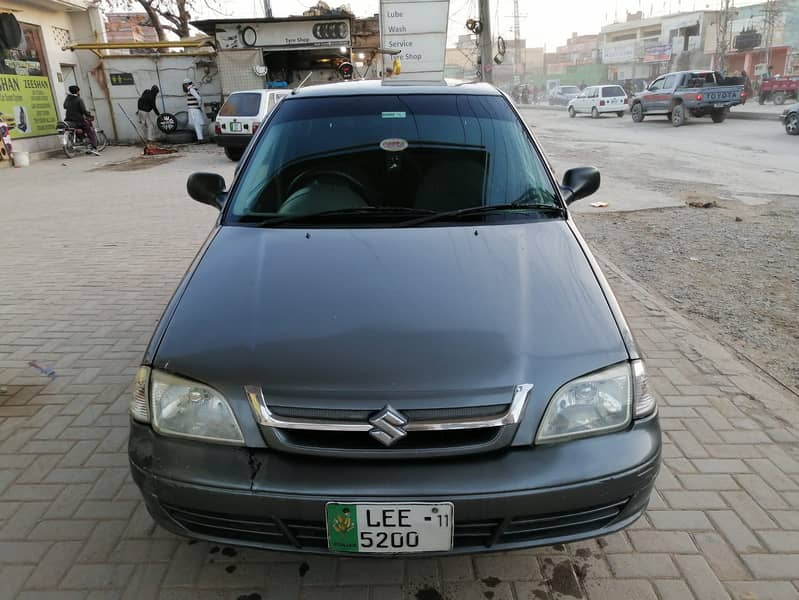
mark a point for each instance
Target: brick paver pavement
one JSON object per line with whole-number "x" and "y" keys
{"x": 83, "y": 278}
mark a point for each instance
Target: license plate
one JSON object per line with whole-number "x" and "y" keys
{"x": 235, "y": 127}
{"x": 393, "y": 528}
{"x": 718, "y": 105}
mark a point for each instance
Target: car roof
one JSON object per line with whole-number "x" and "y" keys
{"x": 376, "y": 87}
{"x": 262, "y": 91}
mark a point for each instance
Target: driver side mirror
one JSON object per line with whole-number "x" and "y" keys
{"x": 580, "y": 183}
{"x": 208, "y": 188}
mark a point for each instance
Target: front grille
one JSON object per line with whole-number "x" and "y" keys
{"x": 415, "y": 440}
{"x": 274, "y": 532}
{"x": 413, "y": 414}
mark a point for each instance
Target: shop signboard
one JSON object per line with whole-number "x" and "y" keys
{"x": 657, "y": 54}
{"x": 417, "y": 29}
{"x": 26, "y": 97}
{"x": 618, "y": 52}
{"x": 285, "y": 35}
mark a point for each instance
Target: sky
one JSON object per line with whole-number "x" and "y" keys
{"x": 547, "y": 23}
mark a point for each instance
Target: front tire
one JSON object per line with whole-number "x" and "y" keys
{"x": 594, "y": 113}
{"x": 779, "y": 98}
{"x": 718, "y": 116}
{"x": 792, "y": 124}
{"x": 572, "y": 112}
{"x": 102, "y": 141}
{"x": 637, "y": 112}
{"x": 69, "y": 144}
{"x": 678, "y": 115}
{"x": 234, "y": 154}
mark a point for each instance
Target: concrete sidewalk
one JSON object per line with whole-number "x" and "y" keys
{"x": 83, "y": 279}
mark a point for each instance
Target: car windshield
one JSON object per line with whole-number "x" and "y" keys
{"x": 569, "y": 89}
{"x": 244, "y": 104}
{"x": 384, "y": 158}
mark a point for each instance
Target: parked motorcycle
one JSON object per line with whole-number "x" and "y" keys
{"x": 74, "y": 139}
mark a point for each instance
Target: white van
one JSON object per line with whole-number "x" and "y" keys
{"x": 599, "y": 99}
{"x": 240, "y": 117}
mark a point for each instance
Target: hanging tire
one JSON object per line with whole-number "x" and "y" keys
{"x": 792, "y": 124}
{"x": 779, "y": 98}
{"x": 678, "y": 115}
{"x": 718, "y": 116}
{"x": 594, "y": 113}
{"x": 234, "y": 154}
{"x": 572, "y": 112}
{"x": 102, "y": 140}
{"x": 637, "y": 112}
{"x": 167, "y": 123}
{"x": 69, "y": 144}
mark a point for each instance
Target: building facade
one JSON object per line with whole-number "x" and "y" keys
{"x": 35, "y": 75}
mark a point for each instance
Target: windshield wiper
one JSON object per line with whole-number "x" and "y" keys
{"x": 479, "y": 210}
{"x": 340, "y": 212}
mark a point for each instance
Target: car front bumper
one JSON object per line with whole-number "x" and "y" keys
{"x": 513, "y": 499}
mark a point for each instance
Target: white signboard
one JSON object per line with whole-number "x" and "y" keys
{"x": 418, "y": 29}
{"x": 284, "y": 34}
{"x": 618, "y": 52}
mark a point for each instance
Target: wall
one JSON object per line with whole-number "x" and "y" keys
{"x": 167, "y": 71}
{"x": 236, "y": 69}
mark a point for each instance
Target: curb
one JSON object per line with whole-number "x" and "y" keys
{"x": 745, "y": 115}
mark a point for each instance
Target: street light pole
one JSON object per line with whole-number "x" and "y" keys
{"x": 486, "y": 43}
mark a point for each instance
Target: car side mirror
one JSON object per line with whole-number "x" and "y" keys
{"x": 208, "y": 188}
{"x": 580, "y": 183}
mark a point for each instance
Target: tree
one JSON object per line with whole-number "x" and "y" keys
{"x": 165, "y": 15}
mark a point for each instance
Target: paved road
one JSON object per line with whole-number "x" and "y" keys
{"x": 89, "y": 257}
{"x": 653, "y": 164}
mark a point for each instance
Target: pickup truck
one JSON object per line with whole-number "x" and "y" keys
{"x": 779, "y": 89}
{"x": 695, "y": 93}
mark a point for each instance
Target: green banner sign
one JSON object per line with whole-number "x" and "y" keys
{"x": 26, "y": 104}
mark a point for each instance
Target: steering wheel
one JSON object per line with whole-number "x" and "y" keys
{"x": 356, "y": 185}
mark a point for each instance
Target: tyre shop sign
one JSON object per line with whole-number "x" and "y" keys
{"x": 418, "y": 30}
{"x": 312, "y": 33}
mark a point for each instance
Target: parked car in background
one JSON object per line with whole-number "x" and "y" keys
{"x": 598, "y": 100}
{"x": 240, "y": 117}
{"x": 779, "y": 90}
{"x": 790, "y": 119}
{"x": 563, "y": 94}
{"x": 695, "y": 93}
{"x": 337, "y": 372}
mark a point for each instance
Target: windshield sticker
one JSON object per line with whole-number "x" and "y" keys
{"x": 394, "y": 115}
{"x": 394, "y": 144}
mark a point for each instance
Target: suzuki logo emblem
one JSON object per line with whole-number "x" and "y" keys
{"x": 388, "y": 426}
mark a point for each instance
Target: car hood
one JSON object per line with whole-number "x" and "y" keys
{"x": 419, "y": 312}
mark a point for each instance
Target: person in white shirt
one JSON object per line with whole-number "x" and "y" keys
{"x": 194, "y": 104}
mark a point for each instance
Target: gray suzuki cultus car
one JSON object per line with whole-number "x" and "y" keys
{"x": 394, "y": 341}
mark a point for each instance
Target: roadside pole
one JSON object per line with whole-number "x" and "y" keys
{"x": 486, "y": 43}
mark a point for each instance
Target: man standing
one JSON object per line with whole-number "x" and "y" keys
{"x": 194, "y": 103}
{"x": 148, "y": 111}
{"x": 78, "y": 116}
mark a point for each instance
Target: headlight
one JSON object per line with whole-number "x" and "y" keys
{"x": 185, "y": 408}
{"x": 597, "y": 403}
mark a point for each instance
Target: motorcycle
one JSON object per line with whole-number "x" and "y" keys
{"x": 74, "y": 139}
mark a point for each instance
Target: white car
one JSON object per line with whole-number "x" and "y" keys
{"x": 599, "y": 99}
{"x": 240, "y": 117}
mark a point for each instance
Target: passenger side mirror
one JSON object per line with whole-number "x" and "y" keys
{"x": 580, "y": 183}
{"x": 208, "y": 188}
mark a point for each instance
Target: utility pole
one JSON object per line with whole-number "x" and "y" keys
{"x": 517, "y": 38}
{"x": 486, "y": 43}
{"x": 722, "y": 36}
{"x": 771, "y": 14}
{"x": 268, "y": 9}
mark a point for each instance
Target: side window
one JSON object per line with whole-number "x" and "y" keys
{"x": 594, "y": 92}
{"x": 656, "y": 85}
{"x": 670, "y": 82}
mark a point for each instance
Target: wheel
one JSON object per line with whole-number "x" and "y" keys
{"x": 779, "y": 98}
{"x": 678, "y": 115}
{"x": 69, "y": 144}
{"x": 234, "y": 154}
{"x": 718, "y": 116}
{"x": 594, "y": 113}
{"x": 102, "y": 140}
{"x": 792, "y": 124}
{"x": 572, "y": 112}
{"x": 167, "y": 123}
{"x": 637, "y": 111}
{"x": 620, "y": 113}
